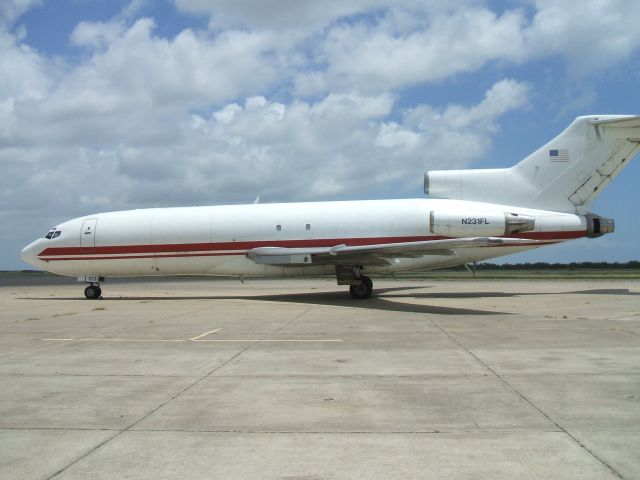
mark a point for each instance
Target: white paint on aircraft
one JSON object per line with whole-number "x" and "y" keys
{"x": 471, "y": 215}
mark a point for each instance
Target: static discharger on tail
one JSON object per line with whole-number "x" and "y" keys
{"x": 470, "y": 215}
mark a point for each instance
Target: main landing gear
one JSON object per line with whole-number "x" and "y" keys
{"x": 363, "y": 290}
{"x": 360, "y": 286}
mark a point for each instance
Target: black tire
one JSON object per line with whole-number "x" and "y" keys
{"x": 93, "y": 292}
{"x": 363, "y": 290}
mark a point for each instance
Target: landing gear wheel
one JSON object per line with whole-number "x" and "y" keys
{"x": 363, "y": 290}
{"x": 93, "y": 292}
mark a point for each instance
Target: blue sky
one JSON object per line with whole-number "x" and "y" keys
{"x": 110, "y": 105}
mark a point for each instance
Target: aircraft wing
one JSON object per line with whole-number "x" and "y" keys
{"x": 377, "y": 254}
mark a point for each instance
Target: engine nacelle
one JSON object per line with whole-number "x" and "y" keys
{"x": 598, "y": 226}
{"x": 478, "y": 224}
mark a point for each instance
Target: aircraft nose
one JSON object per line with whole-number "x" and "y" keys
{"x": 28, "y": 254}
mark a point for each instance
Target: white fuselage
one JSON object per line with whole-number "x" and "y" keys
{"x": 214, "y": 240}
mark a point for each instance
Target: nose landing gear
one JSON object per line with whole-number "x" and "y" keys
{"x": 93, "y": 292}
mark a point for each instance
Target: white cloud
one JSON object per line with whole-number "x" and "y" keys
{"x": 505, "y": 95}
{"x": 276, "y": 14}
{"x": 192, "y": 68}
{"x": 10, "y": 10}
{"x": 591, "y": 35}
{"x": 128, "y": 108}
{"x": 130, "y": 91}
{"x": 305, "y": 14}
{"x": 339, "y": 145}
{"x": 290, "y": 100}
{"x": 100, "y": 35}
{"x": 342, "y": 144}
{"x": 25, "y": 74}
{"x": 377, "y": 57}
{"x": 411, "y": 46}
{"x": 97, "y": 35}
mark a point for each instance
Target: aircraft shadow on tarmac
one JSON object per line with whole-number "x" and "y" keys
{"x": 336, "y": 299}
{"x": 385, "y": 299}
{"x": 605, "y": 291}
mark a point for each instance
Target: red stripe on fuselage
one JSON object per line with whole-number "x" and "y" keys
{"x": 238, "y": 248}
{"x": 199, "y": 247}
{"x": 116, "y": 257}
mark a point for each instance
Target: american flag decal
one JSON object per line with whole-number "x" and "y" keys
{"x": 559, "y": 155}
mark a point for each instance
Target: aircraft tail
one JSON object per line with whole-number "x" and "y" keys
{"x": 564, "y": 175}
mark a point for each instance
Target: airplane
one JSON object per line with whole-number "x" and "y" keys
{"x": 469, "y": 215}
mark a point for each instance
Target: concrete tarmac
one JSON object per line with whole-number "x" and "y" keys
{"x": 291, "y": 379}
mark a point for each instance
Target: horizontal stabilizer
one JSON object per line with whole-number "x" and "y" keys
{"x": 625, "y": 122}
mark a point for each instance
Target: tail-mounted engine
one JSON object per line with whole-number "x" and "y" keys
{"x": 479, "y": 223}
{"x": 598, "y": 226}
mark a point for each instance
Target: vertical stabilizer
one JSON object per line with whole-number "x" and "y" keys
{"x": 564, "y": 175}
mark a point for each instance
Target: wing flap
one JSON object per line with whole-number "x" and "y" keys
{"x": 376, "y": 254}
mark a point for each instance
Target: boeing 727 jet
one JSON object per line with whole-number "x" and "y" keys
{"x": 469, "y": 215}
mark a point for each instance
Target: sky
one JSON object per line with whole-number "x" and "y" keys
{"x": 118, "y": 104}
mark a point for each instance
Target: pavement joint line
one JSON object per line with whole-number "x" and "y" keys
{"x": 530, "y": 402}
{"x": 438, "y": 431}
{"x": 151, "y": 412}
{"x": 286, "y": 324}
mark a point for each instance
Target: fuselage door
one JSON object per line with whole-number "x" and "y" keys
{"x": 88, "y": 234}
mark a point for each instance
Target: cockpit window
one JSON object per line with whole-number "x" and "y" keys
{"x": 53, "y": 233}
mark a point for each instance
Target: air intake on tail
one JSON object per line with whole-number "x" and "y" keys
{"x": 598, "y": 226}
